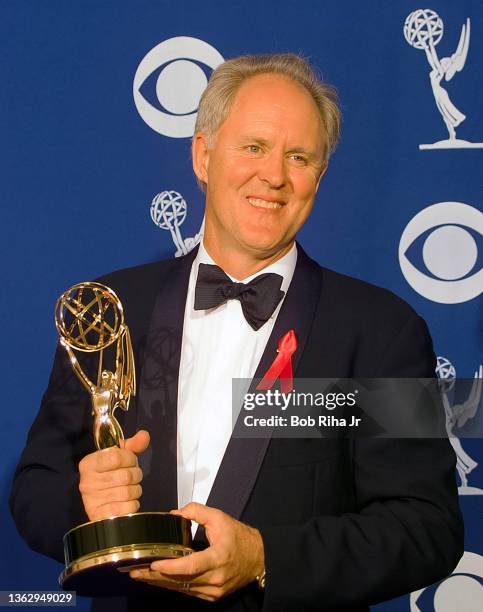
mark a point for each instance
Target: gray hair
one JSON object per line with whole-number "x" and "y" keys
{"x": 216, "y": 101}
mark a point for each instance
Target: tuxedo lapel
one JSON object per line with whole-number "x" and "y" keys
{"x": 243, "y": 457}
{"x": 158, "y": 388}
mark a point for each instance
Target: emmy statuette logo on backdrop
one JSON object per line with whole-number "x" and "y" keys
{"x": 460, "y": 592}
{"x": 423, "y": 30}
{"x": 456, "y": 417}
{"x": 89, "y": 318}
{"x": 168, "y": 211}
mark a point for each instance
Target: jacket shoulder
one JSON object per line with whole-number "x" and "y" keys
{"x": 377, "y": 327}
{"x": 354, "y": 299}
{"x": 144, "y": 275}
{"x": 363, "y": 298}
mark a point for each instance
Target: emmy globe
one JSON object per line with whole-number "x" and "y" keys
{"x": 99, "y": 554}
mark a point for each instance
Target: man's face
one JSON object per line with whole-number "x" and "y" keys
{"x": 263, "y": 170}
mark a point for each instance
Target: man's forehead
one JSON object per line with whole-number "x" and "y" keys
{"x": 271, "y": 102}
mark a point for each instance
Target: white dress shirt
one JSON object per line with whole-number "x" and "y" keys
{"x": 218, "y": 345}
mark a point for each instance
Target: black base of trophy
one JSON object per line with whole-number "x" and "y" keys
{"x": 100, "y": 554}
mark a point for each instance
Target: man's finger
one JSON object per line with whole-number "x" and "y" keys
{"x": 196, "y": 589}
{"x": 115, "y": 509}
{"x": 190, "y": 566}
{"x": 121, "y": 494}
{"x": 204, "y": 515}
{"x": 98, "y": 481}
{"x": 149, "y": 574}
{"x": 107, "y": 460}
{"x": 138, "y": 443}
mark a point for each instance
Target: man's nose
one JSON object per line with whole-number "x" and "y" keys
{"x": 273, "y": 170}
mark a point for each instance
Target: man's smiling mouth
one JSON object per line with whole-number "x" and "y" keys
{"x": 261, "y": 203}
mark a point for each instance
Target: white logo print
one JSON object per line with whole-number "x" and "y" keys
{"x": 179, "y": 85}
{"x": 450, "y": 253}
{"x": 168, "y": 212}
{"x": 423, "y": 29}
{"x": 457, "y": 415}
{"x": 462, "y": 591}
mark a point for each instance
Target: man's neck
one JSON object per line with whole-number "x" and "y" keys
{"x": 240, "y": 265}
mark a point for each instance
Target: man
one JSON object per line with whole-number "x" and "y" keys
{"x": 319, "y": 524}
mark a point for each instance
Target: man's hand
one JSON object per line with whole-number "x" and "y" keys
{"x": 109, "y": 479}
{"x": 233, "y": 559}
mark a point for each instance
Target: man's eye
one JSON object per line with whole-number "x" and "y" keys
{"x": 299, "y": 159}
{"x": 254, "y": 148}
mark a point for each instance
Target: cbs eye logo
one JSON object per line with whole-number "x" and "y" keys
{"x": 462, "y": 591}
{"x": 173, "y": 74}
{"x": 445, "y": 240}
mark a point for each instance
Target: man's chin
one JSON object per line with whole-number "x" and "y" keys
{"x": 267, "y": 248}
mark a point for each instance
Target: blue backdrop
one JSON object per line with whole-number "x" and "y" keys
{"x": 87, "y": 146}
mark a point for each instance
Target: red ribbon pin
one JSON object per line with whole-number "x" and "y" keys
{"x": 282, "y": 365}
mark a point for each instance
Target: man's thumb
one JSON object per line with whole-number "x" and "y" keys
{"x": 138, "y": 443}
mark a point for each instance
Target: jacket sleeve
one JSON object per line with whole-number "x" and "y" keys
{"x": 45, "y": 500}
{"x": 407, "y": 530}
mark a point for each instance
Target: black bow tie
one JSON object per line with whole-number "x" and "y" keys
{"x": 258, "y": 298}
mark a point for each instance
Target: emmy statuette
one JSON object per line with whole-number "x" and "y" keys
{"x": 99, "y": 554}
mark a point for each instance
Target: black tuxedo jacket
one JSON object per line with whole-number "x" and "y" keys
{"x": 345, "y": 523}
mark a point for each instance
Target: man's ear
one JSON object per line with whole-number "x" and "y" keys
{"x": 322, "y": 172}
{"x": 201, "y": 156}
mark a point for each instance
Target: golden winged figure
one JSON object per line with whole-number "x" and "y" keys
{"x": 89, "y": 318}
